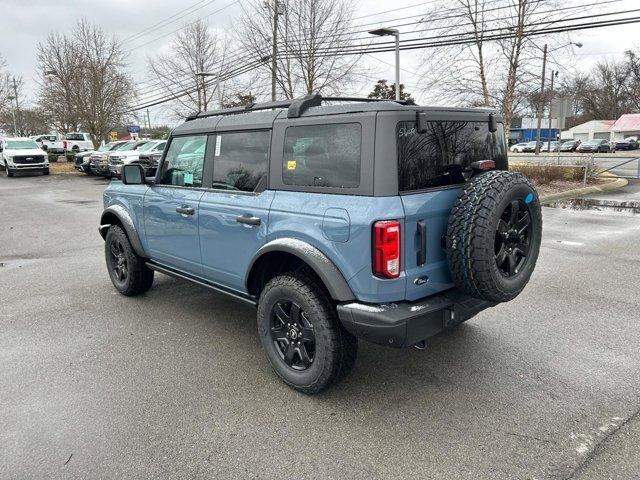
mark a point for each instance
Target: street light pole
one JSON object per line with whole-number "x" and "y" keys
{"x": 397, "y": 35}
{"x": 383, "y": 32}
{"x": 274, "y": 51}
{"x": 541, "y": 102}
{"x": 208, "y": 74}
{"x": 17, "y": 112}
{"x": 553, "y": 74}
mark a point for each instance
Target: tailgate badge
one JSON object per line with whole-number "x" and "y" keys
{"x": 421, "y": 280}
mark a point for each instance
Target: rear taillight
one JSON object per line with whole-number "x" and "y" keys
{"x": 386, "y": 248}
{"x": 65, "y": 144}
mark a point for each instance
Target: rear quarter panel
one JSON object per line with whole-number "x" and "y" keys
{"x": 319, "y": 220}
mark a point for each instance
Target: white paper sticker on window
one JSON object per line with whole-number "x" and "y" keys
{"x": 218, "y": 144}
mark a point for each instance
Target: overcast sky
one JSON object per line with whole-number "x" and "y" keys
{"x": 23, "y": 23}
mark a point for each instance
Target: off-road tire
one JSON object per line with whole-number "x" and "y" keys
{"x": 139, "y": 277}
{"x": 472, "y": 235}
{"x": 335, "y": 348}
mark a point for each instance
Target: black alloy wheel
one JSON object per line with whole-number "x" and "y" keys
{"x": 292, "y": 334}
{"x": 512, "y": 240}
{"x": 119, "y": 263}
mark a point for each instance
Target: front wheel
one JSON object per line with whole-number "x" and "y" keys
{"x": 8, "y": 170}
{"x": 127, "y": 270}
{"x": 301, "y": 334}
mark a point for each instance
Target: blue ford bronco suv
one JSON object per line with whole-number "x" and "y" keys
{"x": 338, "y": 218}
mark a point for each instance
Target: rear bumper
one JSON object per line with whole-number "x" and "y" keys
{"x": 404, "y": 324}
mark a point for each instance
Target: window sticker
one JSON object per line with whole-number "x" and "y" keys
{"x": 291, "y": 165}
{"x": 218, "y": 145}
{"x": 188, "y": 178}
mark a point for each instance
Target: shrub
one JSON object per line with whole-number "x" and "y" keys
{"x": 544, "y": 174}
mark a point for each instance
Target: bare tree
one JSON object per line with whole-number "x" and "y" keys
{"x": 195, "y": 49}
{"x": 307, "y": 31}
{"x": 84, "y": 80}
{"x": 499, "y": 64}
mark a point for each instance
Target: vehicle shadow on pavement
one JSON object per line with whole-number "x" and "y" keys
{"x": 451, "y": 357}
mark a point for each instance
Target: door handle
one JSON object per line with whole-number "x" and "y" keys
{"x": 185, "y": 210}
{"x": 422, "y": 239}
{"x": 248, "y": 220}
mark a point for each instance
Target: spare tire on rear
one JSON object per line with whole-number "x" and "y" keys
{"x": 493, "y": 236}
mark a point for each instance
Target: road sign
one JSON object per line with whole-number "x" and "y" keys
{"x": 133, "y": 129}
{"x": 114, "y": 136}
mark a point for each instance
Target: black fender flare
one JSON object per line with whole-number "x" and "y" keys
{"x": 124, "y": 218}
{"x": 323, "y": 267}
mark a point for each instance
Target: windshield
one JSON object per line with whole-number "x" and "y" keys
{"x": 147, "y": 146}
{"x": 125, "y": 146}
{"x": 592, "y": 142}
{"x": 21, "y": 145}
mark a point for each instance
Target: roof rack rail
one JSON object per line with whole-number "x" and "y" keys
{"x": 296, "y": 107}
{"x": 251, "y": 107}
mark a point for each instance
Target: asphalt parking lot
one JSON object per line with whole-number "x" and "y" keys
{"x": 174, "y": 384}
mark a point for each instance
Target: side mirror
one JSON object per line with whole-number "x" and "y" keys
{"x": 133, "y": 174}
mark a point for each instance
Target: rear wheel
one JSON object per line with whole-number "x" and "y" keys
{"x": 127, "y": 270}
{"x": 301, "y": 334}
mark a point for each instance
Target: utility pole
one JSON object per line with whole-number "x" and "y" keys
{"x": 17, "y": 114}
{"x": 274, "y": 51}
{"x": 148, "y": 119}
{"x": 541, "y": 102}
{"x": 553, "y": 74}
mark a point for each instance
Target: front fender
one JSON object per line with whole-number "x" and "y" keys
{"x": 117, "y": 214}
{"x": 325, "y": 269}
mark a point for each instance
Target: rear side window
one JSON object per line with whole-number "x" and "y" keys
{"x": 322, "y": 155}
{"x": 439, "y": 156}
{"x": 241, "y": 160}
{"x": 184, "y": 161}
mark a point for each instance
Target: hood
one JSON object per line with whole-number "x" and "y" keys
{"x": 31, "y": 152}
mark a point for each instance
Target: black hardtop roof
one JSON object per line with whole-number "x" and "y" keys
{"x": 262, "y": 115}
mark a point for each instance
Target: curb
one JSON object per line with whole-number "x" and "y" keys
{"x": 579, "y": 192}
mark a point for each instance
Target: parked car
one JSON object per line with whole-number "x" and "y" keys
{"x": 78, "y": 142}
{"x": 630, "y": 143}
{"x": 569, "y": 145}
{"x": 150, "y": 158}
{"x": 292, "y": 207}
{"x": 22, "y": 154}
{"x": 83, "y": 160}
{"x": 126, "y": 157}
{"x": 595, "y": 146}
{"x": 49, "y": 143}
{"x": 99, "y": 161}
{"x": 549, "y": 146}
{"x": 529, "y": 147}
{"x": 518, "y": 147}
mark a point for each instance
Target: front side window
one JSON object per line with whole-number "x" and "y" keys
{"x": 184, "y": 161}
{"x": 322, "y": 155}
{"x": 241, "y": 160}
{"x": 439, "y": 156}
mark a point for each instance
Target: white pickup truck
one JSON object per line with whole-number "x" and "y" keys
{"x": 49, "y": 143}
{"x": 22, "y": 154}
{"x": 78, "y": 142}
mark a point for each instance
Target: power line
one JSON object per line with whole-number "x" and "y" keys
{"x": 433, "y": 44}
{"x": 167, "y": 21}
